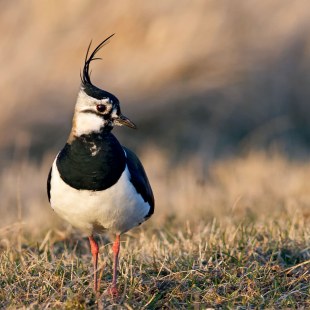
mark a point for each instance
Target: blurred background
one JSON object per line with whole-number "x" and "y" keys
{"x": 219, "y": 91}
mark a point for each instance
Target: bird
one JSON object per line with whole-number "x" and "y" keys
{"x": 95, "y": 183}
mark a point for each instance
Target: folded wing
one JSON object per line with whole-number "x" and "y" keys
{"x": 139, "y": 179}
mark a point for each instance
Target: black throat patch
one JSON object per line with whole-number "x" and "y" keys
{"x": 92, "y": 162}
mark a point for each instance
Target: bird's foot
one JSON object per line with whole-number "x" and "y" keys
{"x": 113, "y": 291}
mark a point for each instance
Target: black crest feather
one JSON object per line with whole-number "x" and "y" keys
{"x": 86, "y": 74}
{"x": 87, "y": 85}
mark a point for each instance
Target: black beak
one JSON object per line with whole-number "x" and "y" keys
{"x": 123, "y": 120}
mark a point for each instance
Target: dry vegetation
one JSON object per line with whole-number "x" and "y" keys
{"x": 228, "y": 69}
{"x": 205, "y": 82}
{"x": 237, "y": 237}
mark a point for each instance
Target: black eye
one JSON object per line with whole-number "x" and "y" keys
{"x": 101, "y": 108}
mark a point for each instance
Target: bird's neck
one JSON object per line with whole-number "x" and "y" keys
{"x": 87, "y": 124}
{"x": 104, "y": 136}
{"x": 101, "y": 138}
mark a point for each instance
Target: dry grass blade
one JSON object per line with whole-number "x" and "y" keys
{"x": 246, "y": 244}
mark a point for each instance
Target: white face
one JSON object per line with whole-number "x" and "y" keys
{"x": 92, "y": 114}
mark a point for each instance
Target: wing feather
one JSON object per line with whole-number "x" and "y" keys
{"x": 139, "y": 179}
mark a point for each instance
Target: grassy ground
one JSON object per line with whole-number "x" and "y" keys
{"x": 246, "y": 245}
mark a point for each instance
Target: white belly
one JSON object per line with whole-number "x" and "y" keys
{"x": 118, "y": 208}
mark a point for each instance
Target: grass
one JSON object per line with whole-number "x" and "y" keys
{"x": 247, "y": 245}
{"x": 235, "y": 234}
{"x": 175, "y": 267}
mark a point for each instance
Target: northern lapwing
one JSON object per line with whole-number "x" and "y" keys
{"x": 95, "y": 183}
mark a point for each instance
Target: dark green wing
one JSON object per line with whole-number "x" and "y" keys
{"x": 139, "y": 179}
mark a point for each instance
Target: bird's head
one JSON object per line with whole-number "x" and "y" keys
{"x": 96, "y": 109}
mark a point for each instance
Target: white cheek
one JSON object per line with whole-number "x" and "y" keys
{"x": 87, "y": 123}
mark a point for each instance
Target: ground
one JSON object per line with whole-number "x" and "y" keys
{"x": 239, "y": 239}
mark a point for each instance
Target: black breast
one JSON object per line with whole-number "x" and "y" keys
{"x": 92, "y": 162}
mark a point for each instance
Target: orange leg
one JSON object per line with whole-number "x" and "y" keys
{"x": 116, "y": 246}
{"x": 94, "y": 251}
